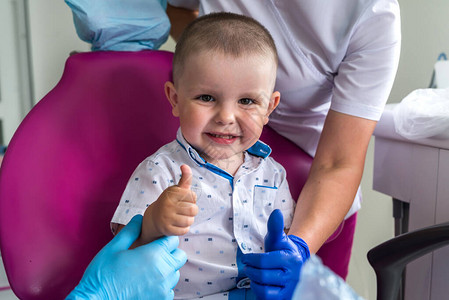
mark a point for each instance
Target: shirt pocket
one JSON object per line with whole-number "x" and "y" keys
{"x": 263, "y": 204}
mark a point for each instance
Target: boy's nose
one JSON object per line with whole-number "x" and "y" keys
{"x": 225, "y": 115}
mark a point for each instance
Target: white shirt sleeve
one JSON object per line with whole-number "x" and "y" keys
{"x": 143, "y": 188}
{"x": 366, "y": 74}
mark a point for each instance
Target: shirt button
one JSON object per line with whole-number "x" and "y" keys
{"x": 243, "y": 245}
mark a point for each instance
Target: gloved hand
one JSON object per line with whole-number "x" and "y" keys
{"x": 121, "y": 25}
{"x": 146, "y": 272}
{"x": 275, "y": 274}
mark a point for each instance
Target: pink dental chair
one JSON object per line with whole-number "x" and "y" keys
{"x": 70, "y": 159}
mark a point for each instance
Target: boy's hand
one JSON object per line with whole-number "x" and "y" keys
{"x": 174, "y": 211}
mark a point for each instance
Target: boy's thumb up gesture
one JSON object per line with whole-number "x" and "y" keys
{"x": 186, "y": 177}
{"x": 175, "y": 209}
{"x": 185, "y": 194}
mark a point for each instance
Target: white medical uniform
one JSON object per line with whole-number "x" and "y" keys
{"x": 340, "y": 55}
{"x": 233, "y": 210}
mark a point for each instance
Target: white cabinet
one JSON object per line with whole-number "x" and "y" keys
{"x": 416, "y": 174}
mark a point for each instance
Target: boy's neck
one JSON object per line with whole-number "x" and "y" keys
{"x": 230, "y": 165}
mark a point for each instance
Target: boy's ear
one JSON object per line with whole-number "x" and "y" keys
{"x": 172, "y": 97}
{"x": 274, "y": 102}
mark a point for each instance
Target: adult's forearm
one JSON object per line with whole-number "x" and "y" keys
{"x": 325, "y": 200}
{"x": 179, "y": 19}
{"x": 334, "y": 178}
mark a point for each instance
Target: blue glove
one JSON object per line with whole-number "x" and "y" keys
{"x": 146, "y": 272}
{"x": 275, "y": 274}
{"x": 121, "y": 25}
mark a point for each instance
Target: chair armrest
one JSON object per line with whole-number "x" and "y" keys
{"x": 390, "y": 258}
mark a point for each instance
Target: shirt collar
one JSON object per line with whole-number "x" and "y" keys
{"x": 189, "y": 149}
{"x": 259, "y": 149}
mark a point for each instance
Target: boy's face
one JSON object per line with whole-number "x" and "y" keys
{"x": 223, "y": 102}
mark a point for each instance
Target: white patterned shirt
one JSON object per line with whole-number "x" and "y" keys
{"x": 233, "y": 210}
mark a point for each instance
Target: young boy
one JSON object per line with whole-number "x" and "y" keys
{"x": 224, "y": 71}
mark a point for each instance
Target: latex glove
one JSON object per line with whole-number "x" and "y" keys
{"x": 275, "y": 274}
{"x": 146, "y": 272}
{"x": 121, "y": 25}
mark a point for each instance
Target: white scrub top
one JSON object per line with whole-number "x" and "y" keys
{"x": 340, "y": 55}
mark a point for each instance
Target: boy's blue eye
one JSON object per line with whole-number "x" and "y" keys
{"x": 246, "y": 101}
{"x": 206, "y": 98}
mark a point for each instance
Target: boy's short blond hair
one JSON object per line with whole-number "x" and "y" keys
{"x": 228, "y": 33}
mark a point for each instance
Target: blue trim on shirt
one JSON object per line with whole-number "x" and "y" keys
{"x": 260, "y": 149}
{"x": 221, "y": 173}
{"x": 202, "y": 163}
{"x": 266, "y": 187}
{"x": 180, "y": 144}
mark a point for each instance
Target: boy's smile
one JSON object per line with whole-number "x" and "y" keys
{"x": 222, "y": 138}
{"x": 223, "y": 102}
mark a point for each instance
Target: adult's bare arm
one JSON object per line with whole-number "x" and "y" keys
{"x": 334, "y": 178}
{"x": 179, "y": 19}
